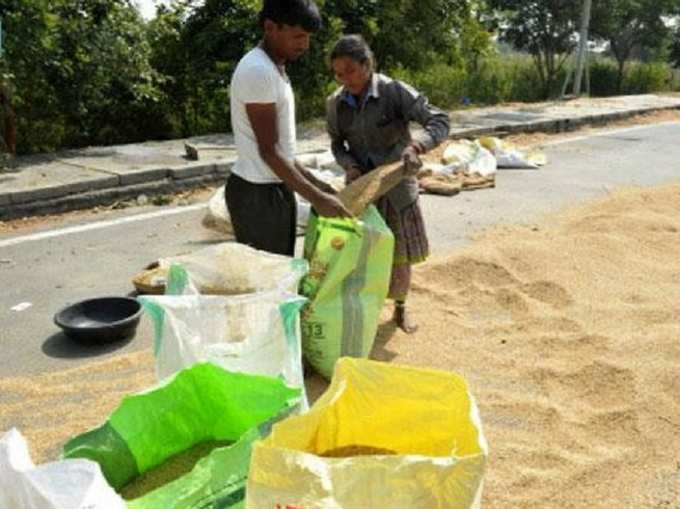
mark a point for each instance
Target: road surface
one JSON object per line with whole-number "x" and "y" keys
{"x": 42, "y": 271}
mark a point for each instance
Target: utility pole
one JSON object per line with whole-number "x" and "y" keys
{"x": 582, "y": 46}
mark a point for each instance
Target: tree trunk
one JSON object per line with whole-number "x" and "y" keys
{"x": 540, "y": 67}
{"x": 621, "y": 48}
{"x": 551, "y": 74}
{"x": 9, "y": 121}
{"x": 620, "y": 74}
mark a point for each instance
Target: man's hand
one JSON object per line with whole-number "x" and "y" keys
{"x": 351, "y": 174}
{"x": 328, "y": 205}
{"x": 412, "y": 162}
{"x": 325, "y": 187}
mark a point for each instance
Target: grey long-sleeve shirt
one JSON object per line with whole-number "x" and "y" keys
{"x": 376, "y": 131}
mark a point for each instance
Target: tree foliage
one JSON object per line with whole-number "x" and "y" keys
{"x": 674, "y": 54}
{"x": 631, "y": 25}
{"x": 79, "y": 71}
{"x": 544, "y": 28}
{"x": 410, "y": 33}
{"x": 94, "y": 72}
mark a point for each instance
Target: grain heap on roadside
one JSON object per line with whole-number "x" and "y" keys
{"x": 568, "y": 333}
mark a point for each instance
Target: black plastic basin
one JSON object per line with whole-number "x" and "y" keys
{"x": 101, "y": 320}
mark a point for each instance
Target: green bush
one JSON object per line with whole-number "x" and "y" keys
{"x": 495, "y": 79}
{"x": 96, "y": 73}
{"x": 525, "y": 82}
{"x": 642, "y": 78}
{"x": 444, "y": 86}
{"x": 490, "y": 82}
{"x": 514, "y": 78}
{"x": 675, "y": 79}
{"x": 638, "y": 78}
{"x": 604, "y": 76}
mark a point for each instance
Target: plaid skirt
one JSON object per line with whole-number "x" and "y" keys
{"x": 410, "y": 238}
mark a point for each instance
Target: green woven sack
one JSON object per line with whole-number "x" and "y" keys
{"x": 350, "y": 266}
{"x": 201, "y": 404}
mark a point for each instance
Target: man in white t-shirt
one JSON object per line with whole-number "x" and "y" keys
{"x": 260, "y": 191}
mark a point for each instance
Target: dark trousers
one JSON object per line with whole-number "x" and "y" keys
{"x": 264, "y": 216}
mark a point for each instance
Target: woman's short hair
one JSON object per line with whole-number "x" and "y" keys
{"x": 353, "y": 46}
{"x": 302, "y": 13}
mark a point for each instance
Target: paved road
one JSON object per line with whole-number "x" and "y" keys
{"x": 99, "y": 258}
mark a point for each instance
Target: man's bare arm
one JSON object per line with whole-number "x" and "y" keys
{"x": 318, "y": 183}
{"x": 263, "y": 121}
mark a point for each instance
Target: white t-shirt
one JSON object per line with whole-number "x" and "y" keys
{"x": 258, "y": 80}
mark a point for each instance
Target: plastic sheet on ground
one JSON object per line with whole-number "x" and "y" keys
{"x": 465, "y": 166}
{"x": 468, "y": 157}
{"x": 217, "y": 216}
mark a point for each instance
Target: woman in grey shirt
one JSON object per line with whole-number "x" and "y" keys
{"x": 368, "y": 121}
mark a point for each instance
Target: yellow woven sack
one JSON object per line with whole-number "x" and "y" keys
{"x": 382, "y": 436}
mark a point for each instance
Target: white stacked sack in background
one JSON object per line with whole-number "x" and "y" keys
{"x": 322, "y": 164}
{"x": 510, "y": 157}
{"x": 468, "y": 157}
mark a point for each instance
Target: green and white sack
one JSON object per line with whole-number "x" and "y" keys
{"x": 201, "y": 404}
{"x": 348, "y": 281}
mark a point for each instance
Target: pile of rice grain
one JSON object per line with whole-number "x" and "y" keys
{"x": 50, "y": 409}
{"x": 349, "y": 451}
{"x": 568, "y": 334}
{"x": 170, "y": 470}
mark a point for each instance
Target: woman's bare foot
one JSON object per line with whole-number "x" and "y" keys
{"x": 403, "y": 319}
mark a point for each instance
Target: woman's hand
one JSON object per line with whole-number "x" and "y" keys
{"x": 411, "y": 159}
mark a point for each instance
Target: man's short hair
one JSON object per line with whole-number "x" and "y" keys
{"x": 301, "y": 13}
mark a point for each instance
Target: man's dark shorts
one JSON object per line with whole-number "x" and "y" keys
{"x": 264, "y": 216}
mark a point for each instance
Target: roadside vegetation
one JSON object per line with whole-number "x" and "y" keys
{"x": 93, "y": 72}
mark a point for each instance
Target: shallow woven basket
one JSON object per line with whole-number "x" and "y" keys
{"x": 151, "y": 281}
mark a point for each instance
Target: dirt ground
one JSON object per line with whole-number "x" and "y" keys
{"x": 537, "y": 139}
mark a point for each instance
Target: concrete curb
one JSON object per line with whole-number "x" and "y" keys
{"x": 77, "y": 196}
{"x": 114, "y": 187}
{"x": 557, "y": 125}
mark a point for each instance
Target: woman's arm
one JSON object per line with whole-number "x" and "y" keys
{"x": 340, "y": 152}
{"x": 415, "y": 107}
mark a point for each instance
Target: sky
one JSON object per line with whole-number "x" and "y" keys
{"x": 148, "y": 7}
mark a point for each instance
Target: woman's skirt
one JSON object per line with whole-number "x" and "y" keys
{"x": 410, "y": 243}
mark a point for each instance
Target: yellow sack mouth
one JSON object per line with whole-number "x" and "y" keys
{"x": 398, "y": 436}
